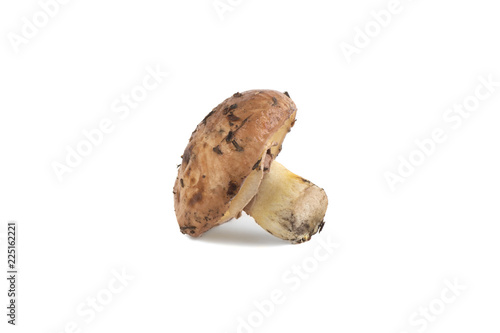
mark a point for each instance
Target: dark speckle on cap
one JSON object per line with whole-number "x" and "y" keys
{"x": 232, "y": 188}
{"x": 196, "y": 198}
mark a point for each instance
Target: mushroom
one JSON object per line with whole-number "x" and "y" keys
{"x": 228, "y": 167}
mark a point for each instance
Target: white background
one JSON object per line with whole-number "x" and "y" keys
{"x": 114, "y": 211}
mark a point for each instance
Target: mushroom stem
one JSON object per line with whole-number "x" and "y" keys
{"x": 288, "y": 206}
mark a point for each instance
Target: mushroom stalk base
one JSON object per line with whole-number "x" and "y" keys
{"x": 288, "y": 206}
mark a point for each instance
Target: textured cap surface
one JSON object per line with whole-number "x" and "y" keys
{"x": 226, "y": 147}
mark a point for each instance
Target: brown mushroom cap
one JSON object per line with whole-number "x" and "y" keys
{"x": 224, "y": 161}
